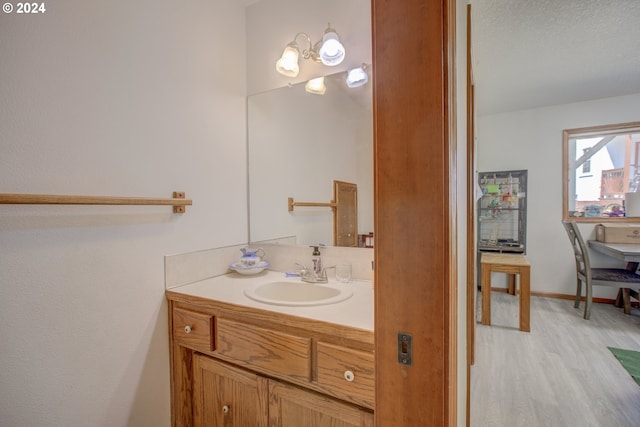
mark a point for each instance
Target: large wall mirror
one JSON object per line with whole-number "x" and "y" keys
{"x": 299, "y": 143}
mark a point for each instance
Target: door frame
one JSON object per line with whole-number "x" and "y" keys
{"x": 472, "y": 289}
{"x": 415, "y": 169}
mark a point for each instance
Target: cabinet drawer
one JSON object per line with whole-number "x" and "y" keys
{"x": 193, "y": 329}
{"x": 267, "y": 351}
{"x": 347, "y": 374}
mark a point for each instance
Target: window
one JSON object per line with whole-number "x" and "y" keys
{"x": 601, "y": 170}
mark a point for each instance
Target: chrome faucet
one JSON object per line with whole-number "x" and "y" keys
{"x": 309, "y": 276}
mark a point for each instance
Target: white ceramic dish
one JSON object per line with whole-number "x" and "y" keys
{"x": 249, "y": 271}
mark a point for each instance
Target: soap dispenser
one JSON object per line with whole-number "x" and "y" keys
{"x": 316, "y": 260}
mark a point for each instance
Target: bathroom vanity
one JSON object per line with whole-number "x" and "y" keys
{"x": 240, "y": 362}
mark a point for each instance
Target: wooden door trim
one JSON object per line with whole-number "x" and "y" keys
{"x": 451, "y": 140}
{"x": 471, "y": 217}
{"x": 415, "y": 211}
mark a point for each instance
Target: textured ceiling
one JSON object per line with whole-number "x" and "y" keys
{"x": 533, "y": 53}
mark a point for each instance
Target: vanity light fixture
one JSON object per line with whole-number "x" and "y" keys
{"x": 328, "y": 51}
{"x": 357, "y": 77}
{"x": 316, "y": 86}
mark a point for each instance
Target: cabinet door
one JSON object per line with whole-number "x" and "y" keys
{"x": 224, "y": 396}
{"x": 291, "y": 406}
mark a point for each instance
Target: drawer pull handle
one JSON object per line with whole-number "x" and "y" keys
{"x": 349, "y": 376}
{"x": 187, "y": 329}
{"x": 225, "y": 408}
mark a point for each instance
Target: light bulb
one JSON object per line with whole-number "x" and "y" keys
{"x": 357, "y": 77}
{"x": 332, "y": 51}
{"x": 316, "y": 86}
{"x": 288, "y": 63}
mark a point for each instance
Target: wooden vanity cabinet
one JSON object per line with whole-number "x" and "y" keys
{"x": 234, "y": 366}
{"x": 291, "y": 406}
{"x": 227, "y": 396}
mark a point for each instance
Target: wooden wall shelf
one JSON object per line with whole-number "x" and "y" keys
{"x": 345, "y": 212}
{"x": 178, "y": 201}
{"x": 293, "y": 204}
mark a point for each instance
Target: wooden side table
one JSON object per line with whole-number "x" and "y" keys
{"x": 510, "y": 264}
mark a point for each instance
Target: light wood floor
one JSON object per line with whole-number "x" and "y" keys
{"x": 559, "y": 374}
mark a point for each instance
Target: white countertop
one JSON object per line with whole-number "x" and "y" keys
{"x": 355, "y": 312}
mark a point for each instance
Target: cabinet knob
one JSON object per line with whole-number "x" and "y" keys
{"x": 225, "y": 408}
{"x": 187, "y": 329}
{"x": 349, "y": 376}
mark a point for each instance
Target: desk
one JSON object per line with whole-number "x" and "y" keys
{"x": 512, "y": 265}
{"x": 628, "y": 252}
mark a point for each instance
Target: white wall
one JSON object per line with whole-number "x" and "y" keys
{"x": 110, "y": 98}
{"x": 532, "y": 139}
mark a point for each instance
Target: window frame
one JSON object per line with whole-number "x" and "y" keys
{"x": 567, "y": 134}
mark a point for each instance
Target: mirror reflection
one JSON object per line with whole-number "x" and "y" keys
{"x": 299, "y": 143}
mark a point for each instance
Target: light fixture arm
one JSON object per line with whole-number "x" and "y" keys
{"x": 328, "y": 51}
{"x": 311, "y": 52}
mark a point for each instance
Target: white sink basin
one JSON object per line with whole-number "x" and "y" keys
{"x": 297, "y": 293}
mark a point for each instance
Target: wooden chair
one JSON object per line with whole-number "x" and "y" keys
{"x": 616, "y": 277}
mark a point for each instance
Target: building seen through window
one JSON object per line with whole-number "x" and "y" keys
{"x": 602, "y": 164}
